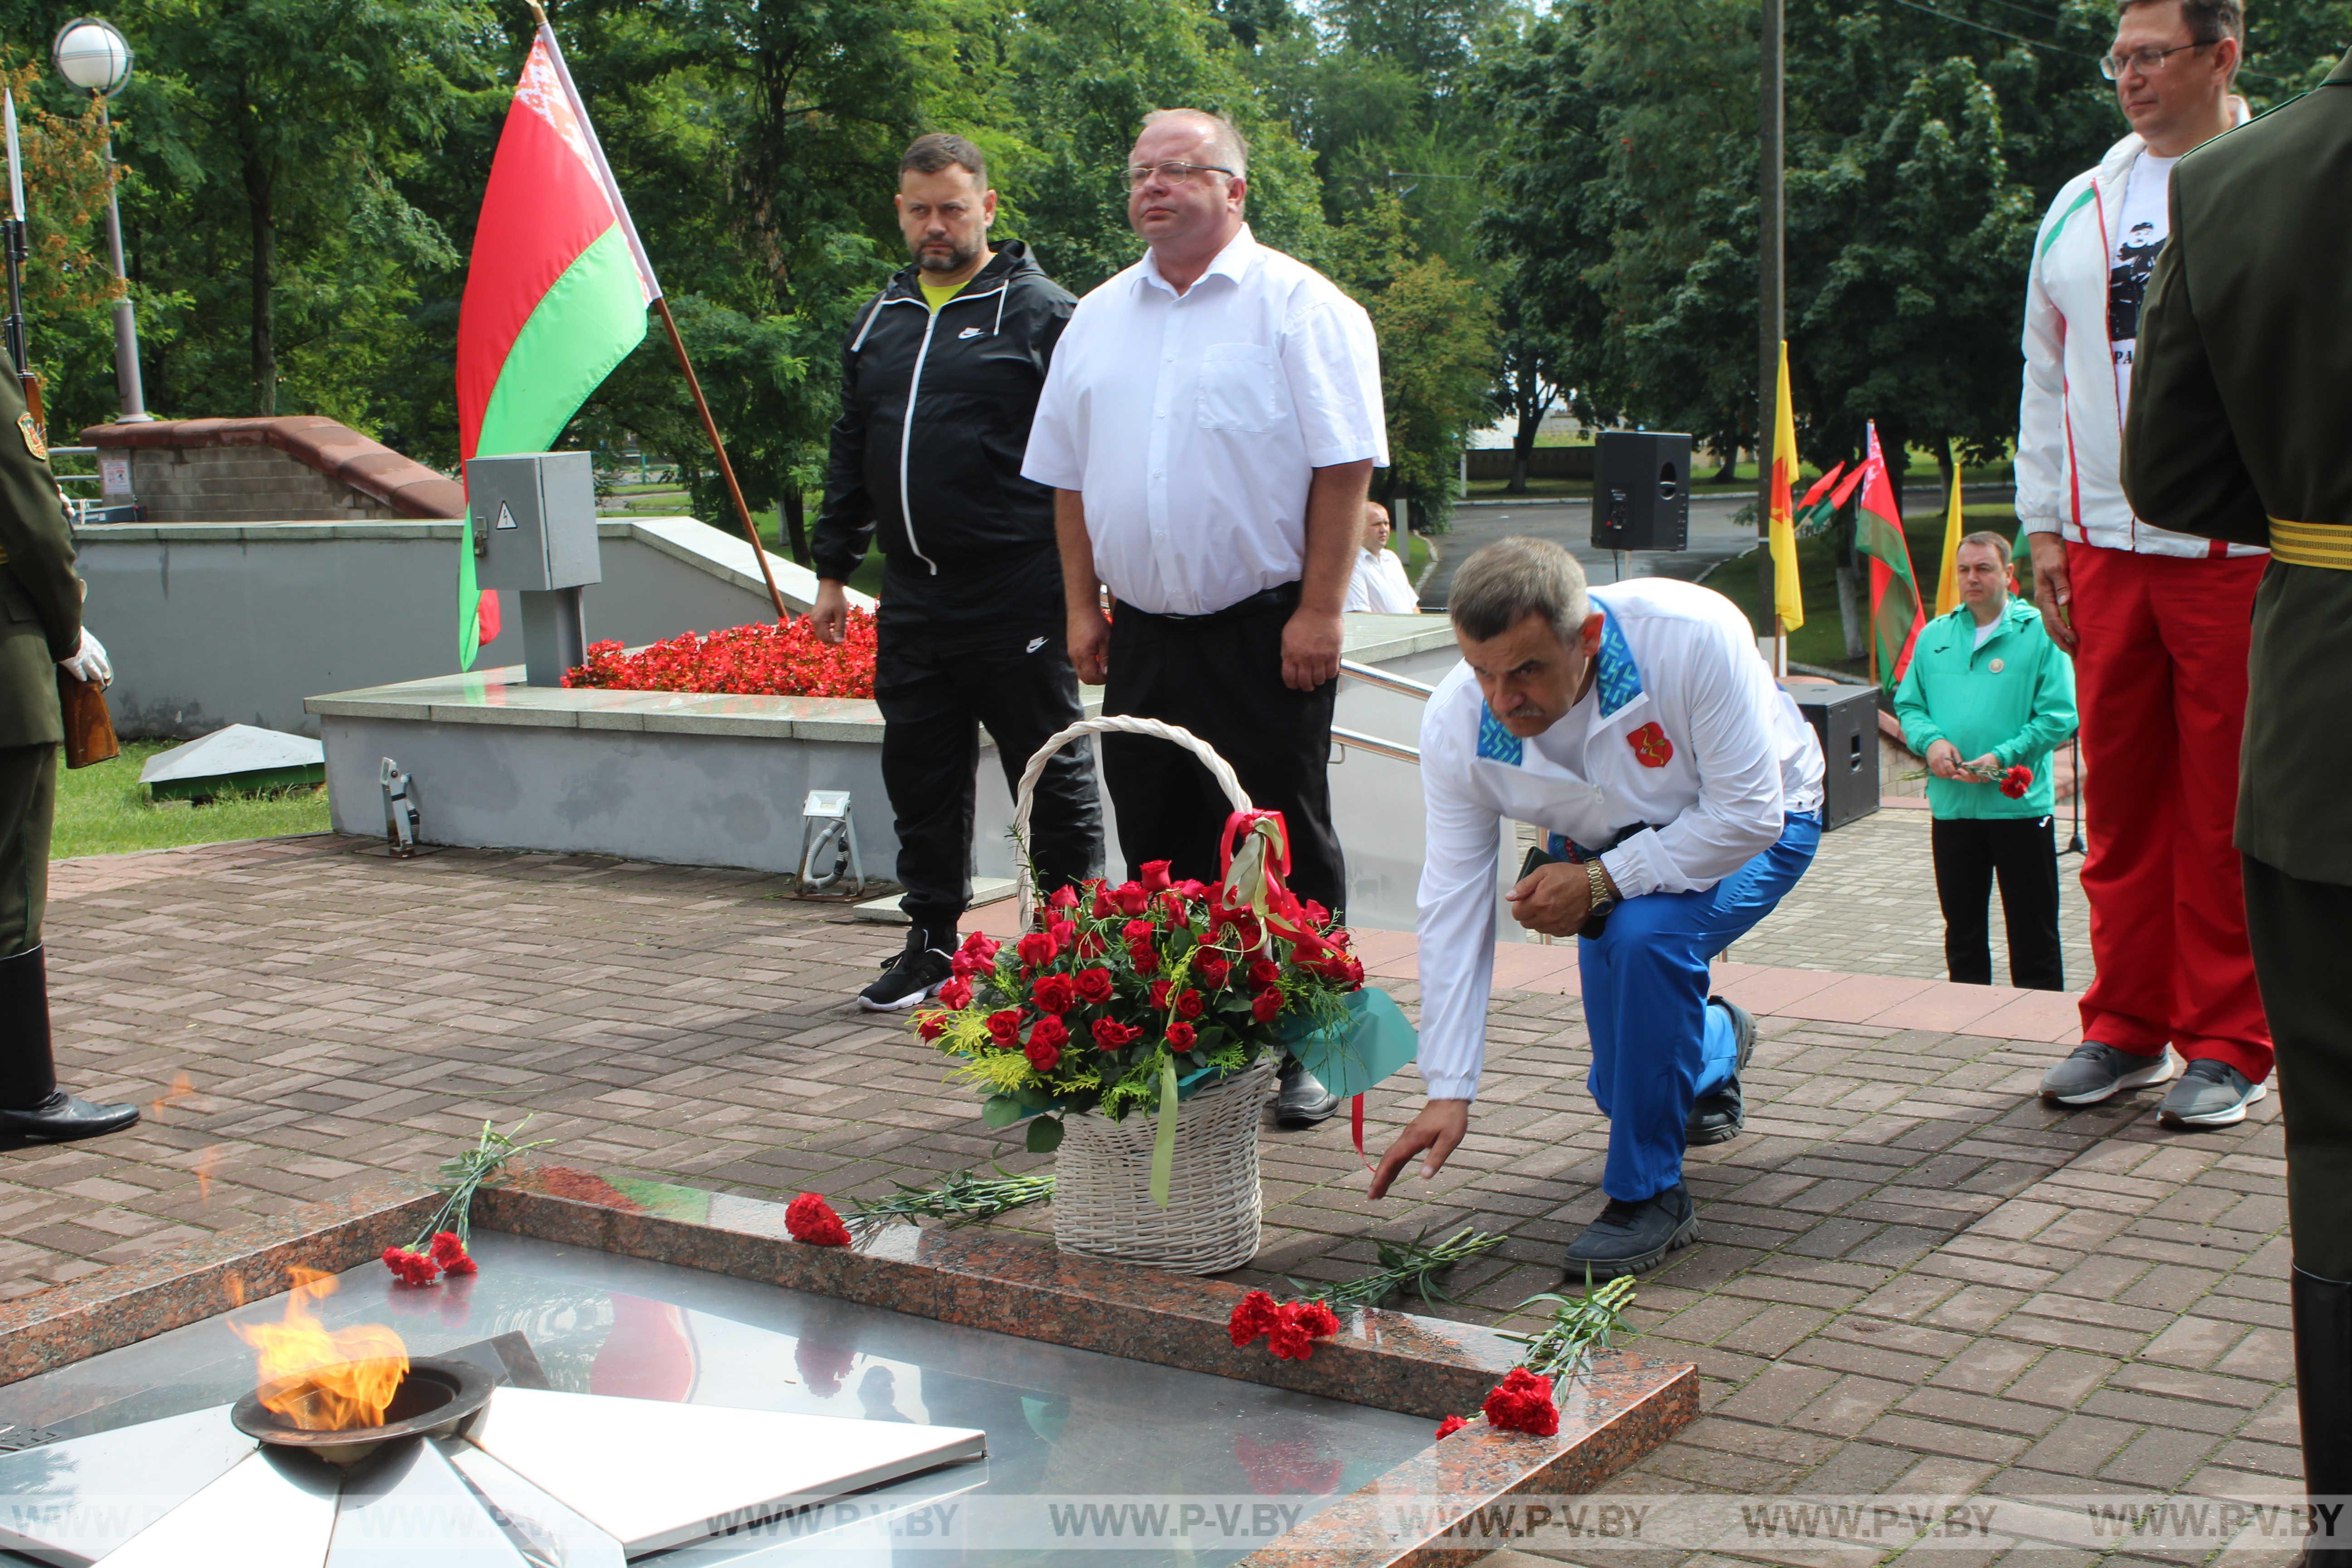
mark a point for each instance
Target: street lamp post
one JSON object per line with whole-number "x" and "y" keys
{"x": 94, "y": 56}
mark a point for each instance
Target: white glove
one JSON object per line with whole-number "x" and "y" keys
{"x": 88, "y": 663}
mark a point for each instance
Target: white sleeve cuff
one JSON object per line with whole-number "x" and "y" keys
{"x": 1629, "y": 865}
{"x": 1451, "y": 1088}
{"x": 2038, "y": 524}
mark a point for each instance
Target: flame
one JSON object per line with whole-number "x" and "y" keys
{"x": 341, "y": 1379}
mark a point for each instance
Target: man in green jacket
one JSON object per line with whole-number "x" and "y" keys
{"x": 1987, "y": 691}
{"x": 40, "y": 628}
{"x": 2236, "y": 432}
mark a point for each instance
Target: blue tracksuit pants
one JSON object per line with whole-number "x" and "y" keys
{"x": 1656, "y": 1045}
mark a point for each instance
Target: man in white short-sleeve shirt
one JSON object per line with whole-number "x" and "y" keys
{"x": 1210, "y": 423}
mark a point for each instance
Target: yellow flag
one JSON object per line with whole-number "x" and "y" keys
{"x": 1787, "y": 592}
{"x": 1947, "y": 587}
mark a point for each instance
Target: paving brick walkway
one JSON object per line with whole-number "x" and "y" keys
{"x": 1912, "y": 1276}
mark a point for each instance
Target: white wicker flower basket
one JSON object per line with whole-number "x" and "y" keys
{"x": 1102, "y": 1174}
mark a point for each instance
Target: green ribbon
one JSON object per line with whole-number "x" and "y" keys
{"x": 1163, "y": 1142}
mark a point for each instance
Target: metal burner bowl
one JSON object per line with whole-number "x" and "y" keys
{"x": 437, "y": 1398}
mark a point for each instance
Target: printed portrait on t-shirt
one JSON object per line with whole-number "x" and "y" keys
{"x": 2135, "y": 258}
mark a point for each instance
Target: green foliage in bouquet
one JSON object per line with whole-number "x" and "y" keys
{"x": 1119, "y": 997}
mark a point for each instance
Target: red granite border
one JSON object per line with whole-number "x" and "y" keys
{"x": 335, "y": 449}
{"x": 126, "y": 1302}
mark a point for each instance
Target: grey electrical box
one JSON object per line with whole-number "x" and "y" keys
{"x": 535, "y": 513}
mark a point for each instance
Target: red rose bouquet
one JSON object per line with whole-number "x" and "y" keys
{"x": 1119, "y": 995}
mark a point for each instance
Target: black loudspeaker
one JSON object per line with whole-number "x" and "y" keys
{"x": 1641, "y": 491}
{"x": 1845, "y": 721}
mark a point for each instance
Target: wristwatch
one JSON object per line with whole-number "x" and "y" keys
{"x": 1604, "y": 901}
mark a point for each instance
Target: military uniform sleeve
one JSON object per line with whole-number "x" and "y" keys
{"x": 2182, "y": 469}
{"x": 33, "y": 532}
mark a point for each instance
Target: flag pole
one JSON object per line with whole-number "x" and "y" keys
{"x": 718, "y": 450}
{"x": 693, "y": 382}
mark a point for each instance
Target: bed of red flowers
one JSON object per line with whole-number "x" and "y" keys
{"x": 761, "y": 661}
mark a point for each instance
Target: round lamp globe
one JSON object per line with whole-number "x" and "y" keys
{"x": 92, "y": 55}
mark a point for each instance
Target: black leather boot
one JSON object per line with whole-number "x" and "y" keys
{"x": 1720, "y": 1114}
{"x": 31, "y": 1106}
{"x": 1304, "y": 1102}
{"x": 2323, "y": 1388}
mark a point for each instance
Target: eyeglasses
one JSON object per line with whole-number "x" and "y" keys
{"x": 1172, "y": 174}
{"x": 2147, "y": 61}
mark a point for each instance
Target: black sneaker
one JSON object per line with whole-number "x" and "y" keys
{"x": 908, "y": 978}
{"x": 1720, "y": 1114}
{"x": 1633, "y": 1238}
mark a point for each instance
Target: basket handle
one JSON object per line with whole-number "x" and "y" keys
{"x": 1109, "y": 723}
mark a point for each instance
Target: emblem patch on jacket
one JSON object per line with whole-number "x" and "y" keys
{"x": 1651, "y": 746}
{"x": 32, "y": 433}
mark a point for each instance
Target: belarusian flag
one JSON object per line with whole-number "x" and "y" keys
{"x": 1788, "y": 590}
{"x": 555, "y": 295}
{"x": 1896, "y": 617}
{"x": 1814, "y": 512}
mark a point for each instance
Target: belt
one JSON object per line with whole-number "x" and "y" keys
{"x": 1281, "y": 596}
{"x": 2320, "y": 544}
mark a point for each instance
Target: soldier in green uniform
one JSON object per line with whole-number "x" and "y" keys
{"x": 40, "y": 628}
{"x": 2236, "y": 432}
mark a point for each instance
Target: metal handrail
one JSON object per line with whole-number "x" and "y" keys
{"x": 1402, "y": 685}
{"x": 1377, "y": 746}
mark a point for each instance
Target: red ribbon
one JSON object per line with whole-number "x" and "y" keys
{"x": 1356, "y": 1126}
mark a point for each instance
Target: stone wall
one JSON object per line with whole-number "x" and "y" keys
{"x": 298, "y": 468}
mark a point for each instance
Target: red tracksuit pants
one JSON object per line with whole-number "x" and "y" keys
{"x": 2162, "y": 680}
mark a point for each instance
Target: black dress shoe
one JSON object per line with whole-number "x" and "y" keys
{"x": 63, "y": 1117}
{"x": 1720, "y": 1114}
{"x": 1633, "y": 1238}
{"x": 1304, "y": 1102}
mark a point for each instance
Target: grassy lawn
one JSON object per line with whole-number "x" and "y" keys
{"x": 104, "y": 810}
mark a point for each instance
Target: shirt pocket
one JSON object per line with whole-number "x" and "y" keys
{"x": 1240, "y": 389}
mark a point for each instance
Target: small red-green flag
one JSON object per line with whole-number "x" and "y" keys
{"x": 1895, "y": 617}
{"x": 555, "y": 293}
{"x": 1814, "y": 513}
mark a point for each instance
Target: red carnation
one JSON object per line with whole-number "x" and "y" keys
{"x": 1265, "y": 971}
{"x": 411, "y": 1267}
{"x": 1180, "y": 1036}
{"x": 1254, "y": 1316}
{"x": 1094, "y": 984}
{"x": 1004, "y": 1027}
{"x": 2016, "y": 781}
{"x": 1316, "y": 1318}
{"x": 1110, "y": 1034}
{"x": 810, "y": 1218}
{"x": 1038, "y": 949}
{"x": 1064, "y": 898}
{"x": 1450, "y": 1426}
{"x": 1213, "y": 971}
{"x": 1055, "y": 993}
{"x": 1265, "y": 1004}
{"x": 1522, "y": 1402}
{"x": 1131, "y": 898}
{"x": 932, "y": 1025}
{"x": 1289, "y": 1340}
{"x": 956, "y": 993}
{"x": 1154, "y": 877}
{"x": 450, "y": 1254}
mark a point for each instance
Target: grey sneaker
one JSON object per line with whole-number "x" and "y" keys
{"x": 2210, "y": 1094}
{"x": 2097, "y": 1072}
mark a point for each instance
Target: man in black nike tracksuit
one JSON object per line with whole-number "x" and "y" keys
{"x": 940, "y": 381}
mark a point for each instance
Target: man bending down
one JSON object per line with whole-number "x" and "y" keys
{"x": 1681, "y": 793}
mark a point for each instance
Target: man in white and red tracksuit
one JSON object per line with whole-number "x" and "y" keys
{"x": 2157, "y": 621}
